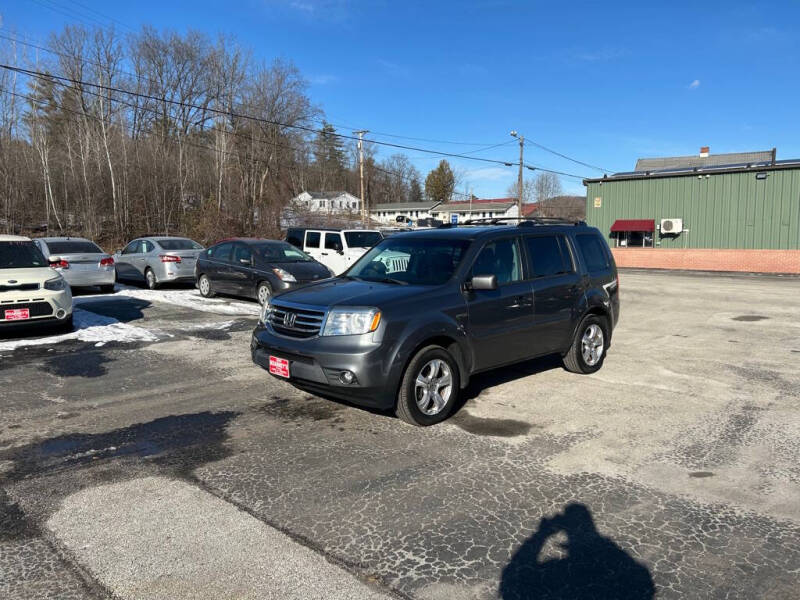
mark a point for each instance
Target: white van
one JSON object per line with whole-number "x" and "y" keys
{"x": 337, "y": 249}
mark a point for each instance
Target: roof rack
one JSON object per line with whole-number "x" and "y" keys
{"x": 524, "y": 221}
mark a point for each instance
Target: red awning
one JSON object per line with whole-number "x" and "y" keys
{"x": 634, "y": 225}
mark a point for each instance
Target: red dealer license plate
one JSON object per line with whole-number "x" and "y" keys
{"x": 279, "y": 366}
{"x": 17, "y": 314}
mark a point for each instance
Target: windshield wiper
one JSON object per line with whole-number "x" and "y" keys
{"x": 390, "y": 280}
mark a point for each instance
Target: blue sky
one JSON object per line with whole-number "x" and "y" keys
{"x": 603, "y": 82}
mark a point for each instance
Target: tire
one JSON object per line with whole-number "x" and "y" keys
{"x": 415, "y": 404}
{"x": 66, "y": 326}
{"x": 263, "y": 292}
{"x": 588, "y": 350}
{"x": 204, "y": 285}
{"x": 150, "y": 279}
{"x": 107, "y": 289}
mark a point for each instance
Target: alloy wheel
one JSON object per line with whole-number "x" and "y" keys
{"x": 433, "y": 387}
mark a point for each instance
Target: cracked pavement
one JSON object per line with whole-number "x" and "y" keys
{"x": 674, "y": 470}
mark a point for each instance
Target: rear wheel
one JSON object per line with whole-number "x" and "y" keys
{"x": 429, "y": 389}
{"x": 204, "y": 285}
{"x": 588, "y": 350}
{"x": 263, "y": 293}
{"x": 150, "y": 279}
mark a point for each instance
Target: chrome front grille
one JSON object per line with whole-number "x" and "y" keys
{"x": 296, "y": 322}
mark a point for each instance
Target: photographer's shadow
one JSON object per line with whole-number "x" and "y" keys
{"x": 594, "y": 566}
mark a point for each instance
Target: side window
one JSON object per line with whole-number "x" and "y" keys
{"x": 221, "y": 252}
{"x": 146, "y": 246}
{"x": 312, "y": 239}
{"x": 132, "y": 248}
{"x": 333, "y": 241}
{"x": 548, "y": 255}
{"x": 241, "y": 252}
{"x": 500, "y": 258}
{"x": 593, "y": 252}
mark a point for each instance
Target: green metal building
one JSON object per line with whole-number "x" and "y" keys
{"x": 746, "y": 201}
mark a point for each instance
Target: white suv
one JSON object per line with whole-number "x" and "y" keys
{"x": 337, "y": 249}
{"x": 31, "y": 292}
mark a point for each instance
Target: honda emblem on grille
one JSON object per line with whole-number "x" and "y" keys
{"x": 289, "y": 319}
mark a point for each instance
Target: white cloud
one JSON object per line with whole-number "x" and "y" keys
{"x": 490, "y": 174}
{"x": 694, "y": 85}
{"x": 323, "y": 79}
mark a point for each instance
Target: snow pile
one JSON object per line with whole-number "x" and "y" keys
{"x": 192, "y": 299}
{"x": 89, "y": 327}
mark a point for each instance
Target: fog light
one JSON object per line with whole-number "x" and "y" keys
{"x": 347, "y": 377}
{"x": 61, "y": 313}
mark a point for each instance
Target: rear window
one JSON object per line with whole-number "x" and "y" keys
{"x": 312, "y": 239}
{"x": 362, "y": 239}
{"x": 21, "y": 255}
{"x": 548, "y": 255}
{"x": 179, "y": 245}
{"x": 593, "y": 252}
{"x": 73, "y": 247}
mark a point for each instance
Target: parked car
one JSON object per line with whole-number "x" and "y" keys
{"x": 80, "y": 261}
{"x": 337, "y": 249}
{"x": 31, "y": 292}
{"x": 464, "y": 300}
{"x": 157, "y": 259}
{"x": 255, "y": 268}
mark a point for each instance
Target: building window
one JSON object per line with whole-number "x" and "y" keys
{"x": 634, "y": 239}
{"x": 322, "y": 203}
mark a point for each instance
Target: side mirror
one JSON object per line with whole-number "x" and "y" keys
{"x": 484, "y": 282}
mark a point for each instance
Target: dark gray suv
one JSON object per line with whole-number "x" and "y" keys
{"x": 408, "y": 324}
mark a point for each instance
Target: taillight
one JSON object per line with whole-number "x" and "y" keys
{"x": 106, "y": 262}
{"x": 169, "y": 258}
{"x": 59, "y": 264}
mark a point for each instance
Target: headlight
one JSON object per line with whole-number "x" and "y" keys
{"x": 284, "y": 275}
{"x": 352, "y": 321}
{"x": 56, "y": 284}
{"x": 266, "y": 308}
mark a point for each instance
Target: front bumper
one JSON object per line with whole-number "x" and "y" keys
{"x": 44, "y": 305}
{"x": 315, "y": 365}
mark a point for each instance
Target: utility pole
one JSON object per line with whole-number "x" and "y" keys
{"x": 364, "y": 213}
{"x": 519, "y": 180}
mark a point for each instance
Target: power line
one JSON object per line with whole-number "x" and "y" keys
{"x": 538, "y": 168}
{"x": 40, "y": 75}
{"x": 546, "y": 149}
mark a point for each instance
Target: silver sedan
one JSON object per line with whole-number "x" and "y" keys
{"x": 158, "y": 259}
{"x": 81, "y": 262}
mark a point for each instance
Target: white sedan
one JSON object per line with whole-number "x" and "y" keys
{"x": 31, "y": 292}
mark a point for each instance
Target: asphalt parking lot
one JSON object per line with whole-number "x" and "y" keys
{"x": 144, "y": 456}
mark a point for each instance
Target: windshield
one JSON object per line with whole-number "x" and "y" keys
{"x": 21, "y": 255}
{"x": 73, "y": 247}
{"x": 412, "y": 261}
{"x": 179, "y": 245}
{"x": 281, "y": 252}
{"x": 362, "y": 239}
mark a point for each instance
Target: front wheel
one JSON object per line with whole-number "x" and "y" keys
{"x": 588, "y": 350}
{"x": 263, "y": 293}
{"x": 150, "y": 279}
{"x": 429, "y": 389}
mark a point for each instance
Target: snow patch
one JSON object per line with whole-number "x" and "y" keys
{"x": 89, "y": 327}
{"x": 192, "y": 299}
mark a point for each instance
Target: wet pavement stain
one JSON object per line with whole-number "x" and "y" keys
{"x": 701, "y": 474}
{"x": 490, "y": 427}
{"x": 88, "y": 364}
{"x": 750, "y": 318}
{"x": 290, "y": 410}
{"x": 211, "y": 334}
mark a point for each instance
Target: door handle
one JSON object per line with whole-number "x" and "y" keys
{"x": 324, "y": 253}
{"x": 520, "y": 302}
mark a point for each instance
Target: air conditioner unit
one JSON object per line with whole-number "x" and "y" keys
{"x": 671, "y": 225}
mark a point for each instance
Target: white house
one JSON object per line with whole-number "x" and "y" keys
{"x": 478, "y": 208}
{"x": 331, "y": 202}
{"x": 389, "y": 212}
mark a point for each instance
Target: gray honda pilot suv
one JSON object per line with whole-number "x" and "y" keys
{"x": 408, "y": 324}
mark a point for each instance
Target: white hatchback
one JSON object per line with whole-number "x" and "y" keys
{"x": 31, "y": 292}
